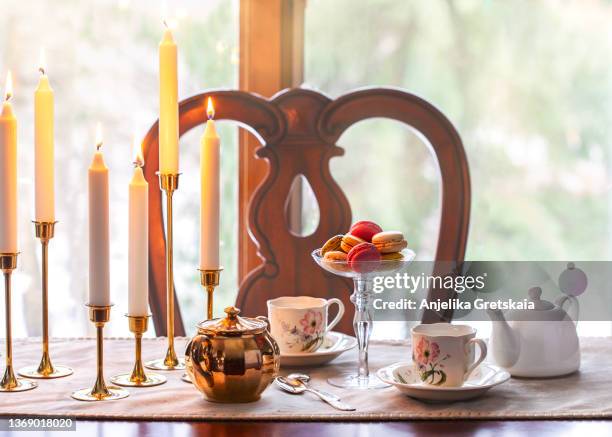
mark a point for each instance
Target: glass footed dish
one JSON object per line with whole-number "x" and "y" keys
{"x": 363, "y": 274}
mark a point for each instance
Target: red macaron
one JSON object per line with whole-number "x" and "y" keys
{"x": 365, "y": 230}
{"x": 364, "y": 258}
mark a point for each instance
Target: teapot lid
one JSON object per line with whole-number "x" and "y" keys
{"x": 231, "y": 324}
{"x": 542, "y": 310}
{"x": 535, "y": 294}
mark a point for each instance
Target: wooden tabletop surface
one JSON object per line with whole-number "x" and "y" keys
{"x": 336, "y": 429}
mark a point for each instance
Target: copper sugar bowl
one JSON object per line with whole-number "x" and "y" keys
{"x": 233, "y": 359}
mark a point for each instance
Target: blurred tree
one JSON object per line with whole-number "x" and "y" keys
{"x": 526, "y": 83}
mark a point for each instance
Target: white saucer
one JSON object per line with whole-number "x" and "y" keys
{"x": 334, "y": 345}
{"x": 403, "y": 377}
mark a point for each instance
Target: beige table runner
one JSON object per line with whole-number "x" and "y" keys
{"x": 586, "y": 394}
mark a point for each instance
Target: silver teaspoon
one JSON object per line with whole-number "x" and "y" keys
{"x": 305, "y": 379}
{"x": 297, "y": 386}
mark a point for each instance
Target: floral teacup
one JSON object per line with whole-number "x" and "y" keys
{"x": 299, "y": 323}
{"x": 443, "y": 354}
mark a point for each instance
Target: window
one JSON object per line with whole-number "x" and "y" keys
{"x": 102, "y": 63}
{"x": 533, "y": 111}
{"x": 524, "y": 82}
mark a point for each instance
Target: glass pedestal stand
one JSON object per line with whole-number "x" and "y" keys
{"x": 363, "y": 278}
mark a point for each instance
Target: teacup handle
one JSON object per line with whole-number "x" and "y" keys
{"x": 338, "y": 316}
{"x": 483, "y": 354}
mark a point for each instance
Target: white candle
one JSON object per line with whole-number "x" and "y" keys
{"x": 8, "y": 173}
{"x": 138, "y": 258}
{"x": 209, "y": 202}
{"x": 168, "y": 105}
{"x": 44, "y": 154}
{"x": 99, "y": 250}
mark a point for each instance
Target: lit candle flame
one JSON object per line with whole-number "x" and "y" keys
{"x": 98, "y": 136}
{"x": 42, "y": 64}
{"x": 137, "y": 148}
{"x": 169, "y": 23}
{"x": 164, "y": 13}
{"x": 8, "y": 90}
{"x": 210, "y": 109}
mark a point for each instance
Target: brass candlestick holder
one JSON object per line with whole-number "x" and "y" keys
{"x": 8, "y": 263}
{"x": 209, "y": 280}
{"x": 45, "y": 231}
{"x": 168, "y": 183}
{"x": 100, "y": 315}
{"x": 138, "y": 377}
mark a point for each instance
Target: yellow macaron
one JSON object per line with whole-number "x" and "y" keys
{"x": 335, "y": 255}
{"x": 332, "y": 244}
{"x": 393, "y": 256}
{"x": 349, "y": 241}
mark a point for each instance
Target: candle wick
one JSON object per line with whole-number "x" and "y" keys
{"x": 98, "y": 146}
{"x": 165, "y": 24}
{"x": 8, "y": 97}
{"x": 42, "y": 70}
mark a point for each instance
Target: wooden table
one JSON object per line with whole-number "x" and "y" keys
{"x": 337, "y": 429}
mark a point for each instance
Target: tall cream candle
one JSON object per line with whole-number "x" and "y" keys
{"x": 99, "y": 243}
{"x": 168, "y": 105}
{"x": 8, "y": 173}
{"x": 44, "y": 153}
{"x": 138, "y": 258}
{"x": 209, "y": 202}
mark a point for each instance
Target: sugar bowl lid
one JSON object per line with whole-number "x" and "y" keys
{"x": 231, "y": 324}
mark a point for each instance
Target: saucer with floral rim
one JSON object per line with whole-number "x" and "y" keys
{"x": 403, "y": 377}
{"x": 334, "y": 345}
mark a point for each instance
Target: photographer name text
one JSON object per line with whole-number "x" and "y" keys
{"x": 453, "y": 304}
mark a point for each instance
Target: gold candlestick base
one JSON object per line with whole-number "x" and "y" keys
{"x": 45, "y": 231}
{"x": 100, "y": 315}
{"x": 168, "y": 182}
{"x": 45, "y": 370}
{"x": 9, "y": 383}
{"x": 138, "y": 377}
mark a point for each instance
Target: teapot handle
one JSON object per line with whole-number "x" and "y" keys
{"x": 573, "y": 308}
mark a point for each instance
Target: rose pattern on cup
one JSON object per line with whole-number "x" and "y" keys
{"x": 299, "y": 324}
{"x": 430, "y": 368}
{"x": 443, "y": 354}
{"x": 309, "y": 336}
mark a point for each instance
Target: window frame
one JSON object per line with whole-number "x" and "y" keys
{"x": 271, "y": 59}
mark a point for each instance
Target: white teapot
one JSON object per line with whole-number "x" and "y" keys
{"x": 539, "y": 342}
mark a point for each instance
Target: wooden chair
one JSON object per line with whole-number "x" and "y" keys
{"x": 298, "y": 129}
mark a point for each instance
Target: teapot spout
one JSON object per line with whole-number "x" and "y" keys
{"x": 504, "y": 344}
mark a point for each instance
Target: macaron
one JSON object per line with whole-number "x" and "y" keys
{"x": 365, "y": 230}
{"x": 332, "y": 244}
{"x": 364, "y": 257}
{"x": 393, "y": 256}
{"x": 335, "y": 255}
{"x": 349, "y": 241}
{"x": 389, "y": 241}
